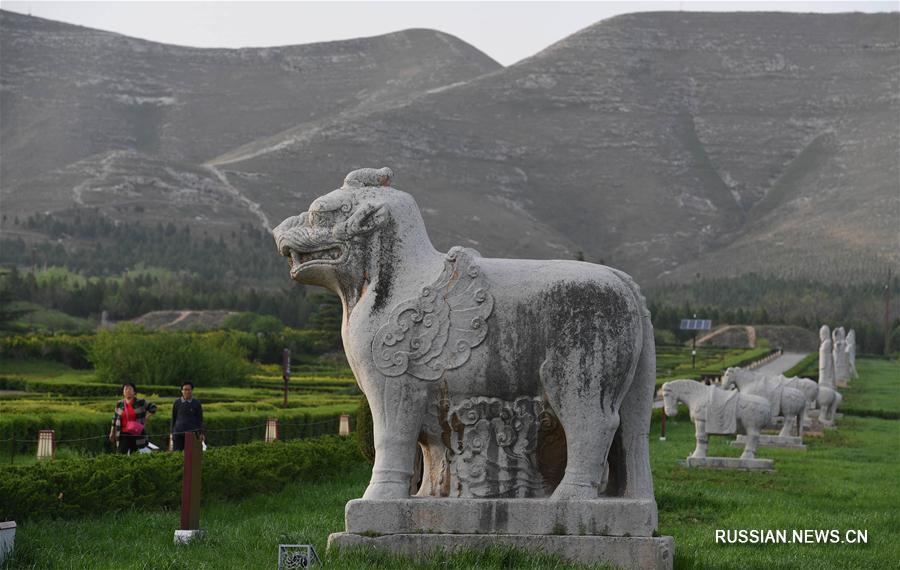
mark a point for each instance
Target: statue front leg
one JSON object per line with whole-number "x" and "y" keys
{"x": 752, "y": 443}
{"x": 702, "y": 439}
{"x": 398, "y": 406}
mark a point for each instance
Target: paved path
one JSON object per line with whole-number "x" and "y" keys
{"x": 782, "y": 364}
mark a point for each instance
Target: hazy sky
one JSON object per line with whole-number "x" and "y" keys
{"x": 507, "y": 31}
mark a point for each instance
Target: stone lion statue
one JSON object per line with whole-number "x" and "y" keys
{"x": 473, "y": 358}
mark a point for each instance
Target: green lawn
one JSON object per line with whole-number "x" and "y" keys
{"x": 877, "y": 392}
{"x": 846, "y": 480}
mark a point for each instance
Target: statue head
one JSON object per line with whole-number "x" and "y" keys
{"x": 824, "y": 333}
{"x": 729, "y": 379}
{"x": 348, "y": 234}
{"x": 670, "y": 401}
{"x": 838, "y": 335}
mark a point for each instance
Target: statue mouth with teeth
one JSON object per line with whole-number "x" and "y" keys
{"x": 471, "y": 358}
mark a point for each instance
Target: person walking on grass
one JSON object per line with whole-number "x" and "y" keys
{"x": 187, "y": 416}
{"x": 127, "y": 431}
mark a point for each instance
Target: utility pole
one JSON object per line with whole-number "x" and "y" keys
{"x": 887, "y": 314}
{"x": 286, "y": 372}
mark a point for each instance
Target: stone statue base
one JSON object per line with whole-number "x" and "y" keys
{"x": 789, "y": 441}
{"x": 730, "y": 463}
{"x": 618, "y": 551}
{"x": 615, "y": 531}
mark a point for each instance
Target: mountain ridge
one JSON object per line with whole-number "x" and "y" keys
{"x": 669, "y": 144}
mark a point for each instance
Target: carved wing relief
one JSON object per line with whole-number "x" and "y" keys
{"x": 437, "y": 331}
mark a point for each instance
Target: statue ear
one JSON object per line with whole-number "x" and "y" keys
{"x": 365, "y": 219}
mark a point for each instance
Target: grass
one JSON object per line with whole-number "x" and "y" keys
{"x": 876, "y": 392}
{"x": 846, "y": 480}
{"x": 243, "y": 534}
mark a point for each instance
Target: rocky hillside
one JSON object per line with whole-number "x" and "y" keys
{"x": 667, "y": 144}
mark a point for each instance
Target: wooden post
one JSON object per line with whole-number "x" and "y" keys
{"x": 46, "y": 444}
{"x": 286, "y": 372}
{"x": 344, "y": 427}
{"x": 271, "y": 430}
{"x": 190, "y": 484}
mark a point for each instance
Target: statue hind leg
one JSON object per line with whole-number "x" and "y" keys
{"x": 585, "y": 401}
{"x": 635, "y": 421}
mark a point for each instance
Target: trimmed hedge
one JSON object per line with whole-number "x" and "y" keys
{"x": 83, "y": 487}
{"x": 223, "y": 428}
{"x": 80, "y": 389}
{"x": 68, "y": 349}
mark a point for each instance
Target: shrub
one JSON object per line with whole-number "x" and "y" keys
{"x": 68, "y": 349}
{"x": 79, "y": 487}
{"x": 168, "y": 358}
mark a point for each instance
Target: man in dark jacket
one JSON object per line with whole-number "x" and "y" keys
{"x": 187, "y": 416}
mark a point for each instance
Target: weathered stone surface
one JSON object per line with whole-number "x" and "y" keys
{"x": 730, "y": 463}
{"x": 606, "y": 517}
{"x": 472, "y": 358}
{"x": 481, "y": 362}
{"x": 620, "y": 552}
{"x": 792, "y": 442}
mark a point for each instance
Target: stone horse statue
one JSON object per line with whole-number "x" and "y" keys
{"x": 719, "y": 412}
{"x": 468, "y": 356}
{"x": 785, "y": 401}
{"x": 810, "y": 388}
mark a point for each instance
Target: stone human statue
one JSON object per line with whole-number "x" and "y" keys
{"x": 826, "y": 358}
{"x": 841, "y": 363}
{"x": 474, "y": 358}
{"x": 851, "y": 353}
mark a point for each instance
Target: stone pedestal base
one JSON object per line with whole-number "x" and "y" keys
{"x": 730, "y": 463}
{"x": 620, "y": 552}
{"x": 615, "y": 531}
{"x": 7, "y": 538}
{"x": 186, "y": 536}
{"x": 788, "y": 441}
{"x": 605, "y": 517}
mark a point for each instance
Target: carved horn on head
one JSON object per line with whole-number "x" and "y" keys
{"x": 369, "y": 177}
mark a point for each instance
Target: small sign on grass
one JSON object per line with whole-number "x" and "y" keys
{"x": 291, "y": 556}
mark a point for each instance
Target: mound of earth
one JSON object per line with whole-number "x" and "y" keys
{"x": 729, "y": 336}
{"x": 183, "y": 320}
{"x": 788, "y": 338}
